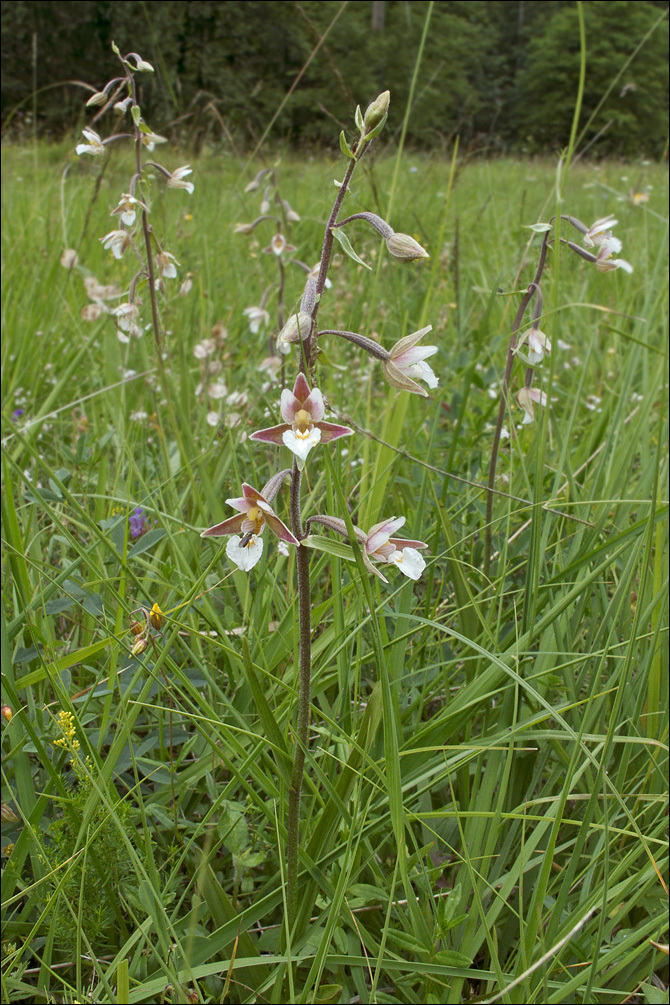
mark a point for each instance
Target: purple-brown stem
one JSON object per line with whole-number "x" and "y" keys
{"x": 304, "y": 688}
{"x": 146, "y": 229}
{"x": 280, "y": 312}
{"x": 532, "y": 291}
{"x": 306, "y": 365}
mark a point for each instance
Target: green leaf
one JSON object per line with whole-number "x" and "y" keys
{"x": 64, "y": 662}
{"x": 59, "y": 605}
{"x": 146, "y": 542}
{"x": 406, "y": 942}
{"x": 331, "y": 547}
{"x": 93, "y": 604}
{"x": 450, "y": 958}
{"x": 653, "y": 995}
{"x": 345, "y": 244}
{"x": 345, "y": 148}
{"x": 137, "y": 118}
{"x": 328, "y": 993}
{"x": 376, "y": 131}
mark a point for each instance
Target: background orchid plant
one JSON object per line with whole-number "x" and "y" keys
{"x": 133, "y": 230}
{"x": 534, "y": 341}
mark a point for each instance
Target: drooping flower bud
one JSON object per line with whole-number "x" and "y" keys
{"x": 297, "y": 328}
{"x": 404, "y": 248}
{"x": 97, "y": 99}
{"x": 291, "y": 214}
{"x": 253, "y": 185}
{"x": 308, "y": 302}
{"x": 7, "y": 713}
{"x": 121, "y": 107}
{"x": 139, "y": 646}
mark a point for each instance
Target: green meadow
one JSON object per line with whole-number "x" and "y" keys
{"x": 485, "y": 792}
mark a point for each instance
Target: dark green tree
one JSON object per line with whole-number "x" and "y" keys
{"x": 634, "y": 114}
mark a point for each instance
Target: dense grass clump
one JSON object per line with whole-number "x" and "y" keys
{"x": 486, "y": 789}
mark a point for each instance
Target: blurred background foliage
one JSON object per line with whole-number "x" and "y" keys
{"x": 501, "y": 75}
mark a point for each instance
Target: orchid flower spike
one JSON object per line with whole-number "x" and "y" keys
{"x": 117, "y": 241}
{"x": 176, "y": 179}
{"x": 258, "y": 317}
{"x": 278, "y": 245}
{"x": 127, "y": 209}
{"x": 303, "y": 427}
{"x": 538, "y": 345}
{"x": 379, "y": 545}
{"x": 254, "y": 513}
{"x": 382, "y": 547}
{"x": 407, "y": 361}
{"x": 600, "y": 236}
{"x": 526, "y": 398}
{"x": 95, "y": 146}
{"x": 599, "y": 230}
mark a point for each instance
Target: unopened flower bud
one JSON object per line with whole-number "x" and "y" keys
{"x": 404, "y": 248}
{"x": 376, "y": 111}
{"x": 121, "y": 107}
{"x": 308, "y": 301}
{"x": 7, "y": 713}
{"x": 139, "y": 646}
{"x": 296, "y": 328}
{"x": 7, "y": 814}
{"x": 243, "y": 228}
{"x": 291, "y": 214}
{"x": 253, "y": 185}
{"x": 97, "y": 99}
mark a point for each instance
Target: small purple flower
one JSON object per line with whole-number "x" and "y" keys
{"x": 17, "y": 413}
{"x": 138, "y": 523}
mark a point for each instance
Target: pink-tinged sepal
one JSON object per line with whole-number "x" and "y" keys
{"x": 331, "y": 431}
{"x": 279, "y": 528}
{"x": 271, "y": 435}
{"x": 301, "y": 387}
{"x": 230, "y": 526}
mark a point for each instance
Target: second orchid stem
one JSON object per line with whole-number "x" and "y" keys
{"x": 532, "y": 291}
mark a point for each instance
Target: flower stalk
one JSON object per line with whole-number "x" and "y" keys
{"x": 598, "y": 236}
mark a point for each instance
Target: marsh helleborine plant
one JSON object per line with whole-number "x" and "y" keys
{"x": 304, "y": 429}
{"x": 154, "y": 264}
{"x": 533, "y": 345}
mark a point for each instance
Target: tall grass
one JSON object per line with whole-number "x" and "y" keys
{"x": 486, "y": 784}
